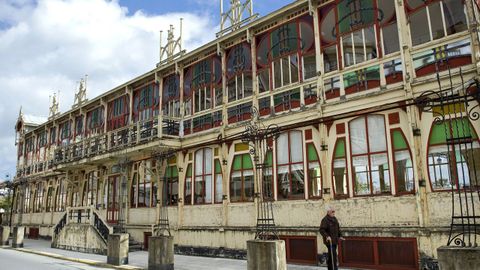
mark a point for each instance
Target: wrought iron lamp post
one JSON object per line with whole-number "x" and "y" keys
{"x": 258, "y": 137}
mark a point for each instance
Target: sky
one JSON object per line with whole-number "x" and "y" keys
{"x": 47, "y": 46}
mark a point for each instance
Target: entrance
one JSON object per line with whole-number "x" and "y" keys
{"x": 113, "y": 205}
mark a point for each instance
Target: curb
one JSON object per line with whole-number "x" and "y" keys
{"x": 84, "y": 261}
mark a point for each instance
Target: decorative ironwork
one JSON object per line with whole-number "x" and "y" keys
{"x": 100, "y": 226}
{"x": 123, "y": 163}
{"x": 162, "y": 228}
{"x": 259, "y": 137}
{"x": 451, "y": 107}
{"x": 59, "y": 227}
{"x": 81, "y": 95}
{"x": 173, "y": 48}
{"x": 235, "y": 15}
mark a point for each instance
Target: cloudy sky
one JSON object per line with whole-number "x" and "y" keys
{"x": 48, "y": 45}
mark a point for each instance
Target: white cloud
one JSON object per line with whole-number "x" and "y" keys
{"x": 50, "y": 44}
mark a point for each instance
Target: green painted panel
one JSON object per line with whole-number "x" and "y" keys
{"x": 189, "y": 170}
{"x": 237, "y": 163}
{"x": 340, "y": 148}
{"x": 312, "y": 153}
{"x": 438, "y": 134}
{"x": 218, "y": 167}
{"x": 399, "y": 142}
{"x": 269, "y": 159}
{"x": 247, "y": 162}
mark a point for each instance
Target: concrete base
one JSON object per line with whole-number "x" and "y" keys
{"x": 458, "y": 258}
{"x": 160, "y": 253}
{"x": 4, "y": 235}
{"x": 266, "y": 255}
{"x": 117, "y": 252}
{"x": 17, "y": 236}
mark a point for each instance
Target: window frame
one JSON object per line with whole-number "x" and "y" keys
{"x": 395, "y": 177}
{"x": 309, "y": 180}
{"x": 290, "y": 164}
{"x": 118, "y": 112}
{"x": 369, "y": 154}
{"x": 243, "y": 197}
{"x": 346, "y": 175}
{"x": 203, "y": 175}
{"x": 452, "y": 156}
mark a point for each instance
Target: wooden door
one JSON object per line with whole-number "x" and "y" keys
{"x": 113, "y": 199}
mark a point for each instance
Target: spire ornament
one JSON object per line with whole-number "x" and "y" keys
{"x": 53, "y": 110}
{"x": 173, "y": 48}
{"x": 81, "y": 95}
{"x": 235, "y": 15}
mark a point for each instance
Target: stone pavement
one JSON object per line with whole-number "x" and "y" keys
{"x": 139, "y": 259}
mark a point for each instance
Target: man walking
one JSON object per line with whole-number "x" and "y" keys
{"x": 330, "y": 231}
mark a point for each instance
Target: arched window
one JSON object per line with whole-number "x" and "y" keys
{"x": 171, "y": 96}
{"x": 434, "y": 19}
{"x": 239, "y": 72}
{"x": 339, "y": 165}
{"x": 286, "y": 54}
{"x": 187, "y": 197}
{"x": 369, "y": 155}
{"x": 26, "y": 206}
{"x": 453, "y": 154}
{"x": 61, "y": 198}
{"x": 290, "y": 170}
{"x": 203, "y": 80}
{"x": 38, "y": 201}
{"x": 143, "y": 192}
{"x": 65, "y": 133}
{"x": 49, "y": 205}
{"x": 268, "y": 192}
{"x": 171, "y": 185}
{"x": 357, "y": 30}
{"x": 314, "y": 172}
{"x": 118, "y": 111}
{"x": 91, "y": 189}
{"x": 95, "y": 121}
{"x": 242, "y": 180}
{"x": 145, "y": 103}
{"x": 402, "y": 160}
{"x": 218, "y": 182}
{"x": 203, "y": 176}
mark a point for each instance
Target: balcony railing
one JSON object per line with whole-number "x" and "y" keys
{"x": 138, "y": 133}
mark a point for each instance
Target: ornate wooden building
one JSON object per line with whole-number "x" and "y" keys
{"x": 355, "y": 87}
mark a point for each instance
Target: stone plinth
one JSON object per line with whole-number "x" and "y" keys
{"x": 458, "y": 258}
{"x": 266, "y": 255}
{"x": 17, "y": 236}
{"x": 160, "y": 253}
{"x": 117, "y": 252}
{"x": 4, "y": 235}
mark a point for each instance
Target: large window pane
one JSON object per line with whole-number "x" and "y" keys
{"x": 358, "y": 136}
{"x": 436, "y": 20}
{"x": 455, "y": 18}
{"x": 361, "y": 176}
{"x": 419, "y": 27}
{"x": 380, "y": 173}
{"x": 376, "y": 133}
{"x": 391, "y": 43}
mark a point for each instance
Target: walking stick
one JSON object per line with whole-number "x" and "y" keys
{"x": 331, "y": 255}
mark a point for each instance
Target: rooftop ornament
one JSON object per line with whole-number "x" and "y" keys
{"x": 81, "y": 95}
{"x": 235, "y": 16}
{"x": 173, "y": 48}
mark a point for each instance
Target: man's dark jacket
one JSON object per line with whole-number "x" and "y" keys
{"x": 330, "y": 227}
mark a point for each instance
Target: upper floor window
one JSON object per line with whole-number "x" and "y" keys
{"x": 65, "y": 132}
{"x": 286, "y": 55}
{"x": 145, "y": 103}
{"x": 202, "y": 80}
{"x": 29, "y": 145}
{"x": 118, "y": 110}
{"x": 434, "y": 19}
{"x": 239, "y": 72}
{"x": 453, "y": 154}
{"x": 53, "y": 135}
{"x": 370, "y": 170}
{"x": 171, "y": 96}
{"x": 78, "y": 128}
{"x": 358, "y": 30}
{"x": 95, "y": 121}
{"x": 42, "y": 139}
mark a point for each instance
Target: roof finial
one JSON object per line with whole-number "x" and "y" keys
{"x": 173, "y": 48}
{"x": 81, "y": 95}
{"x": 53, "y": 110}
{"x": 234, "y": 15}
